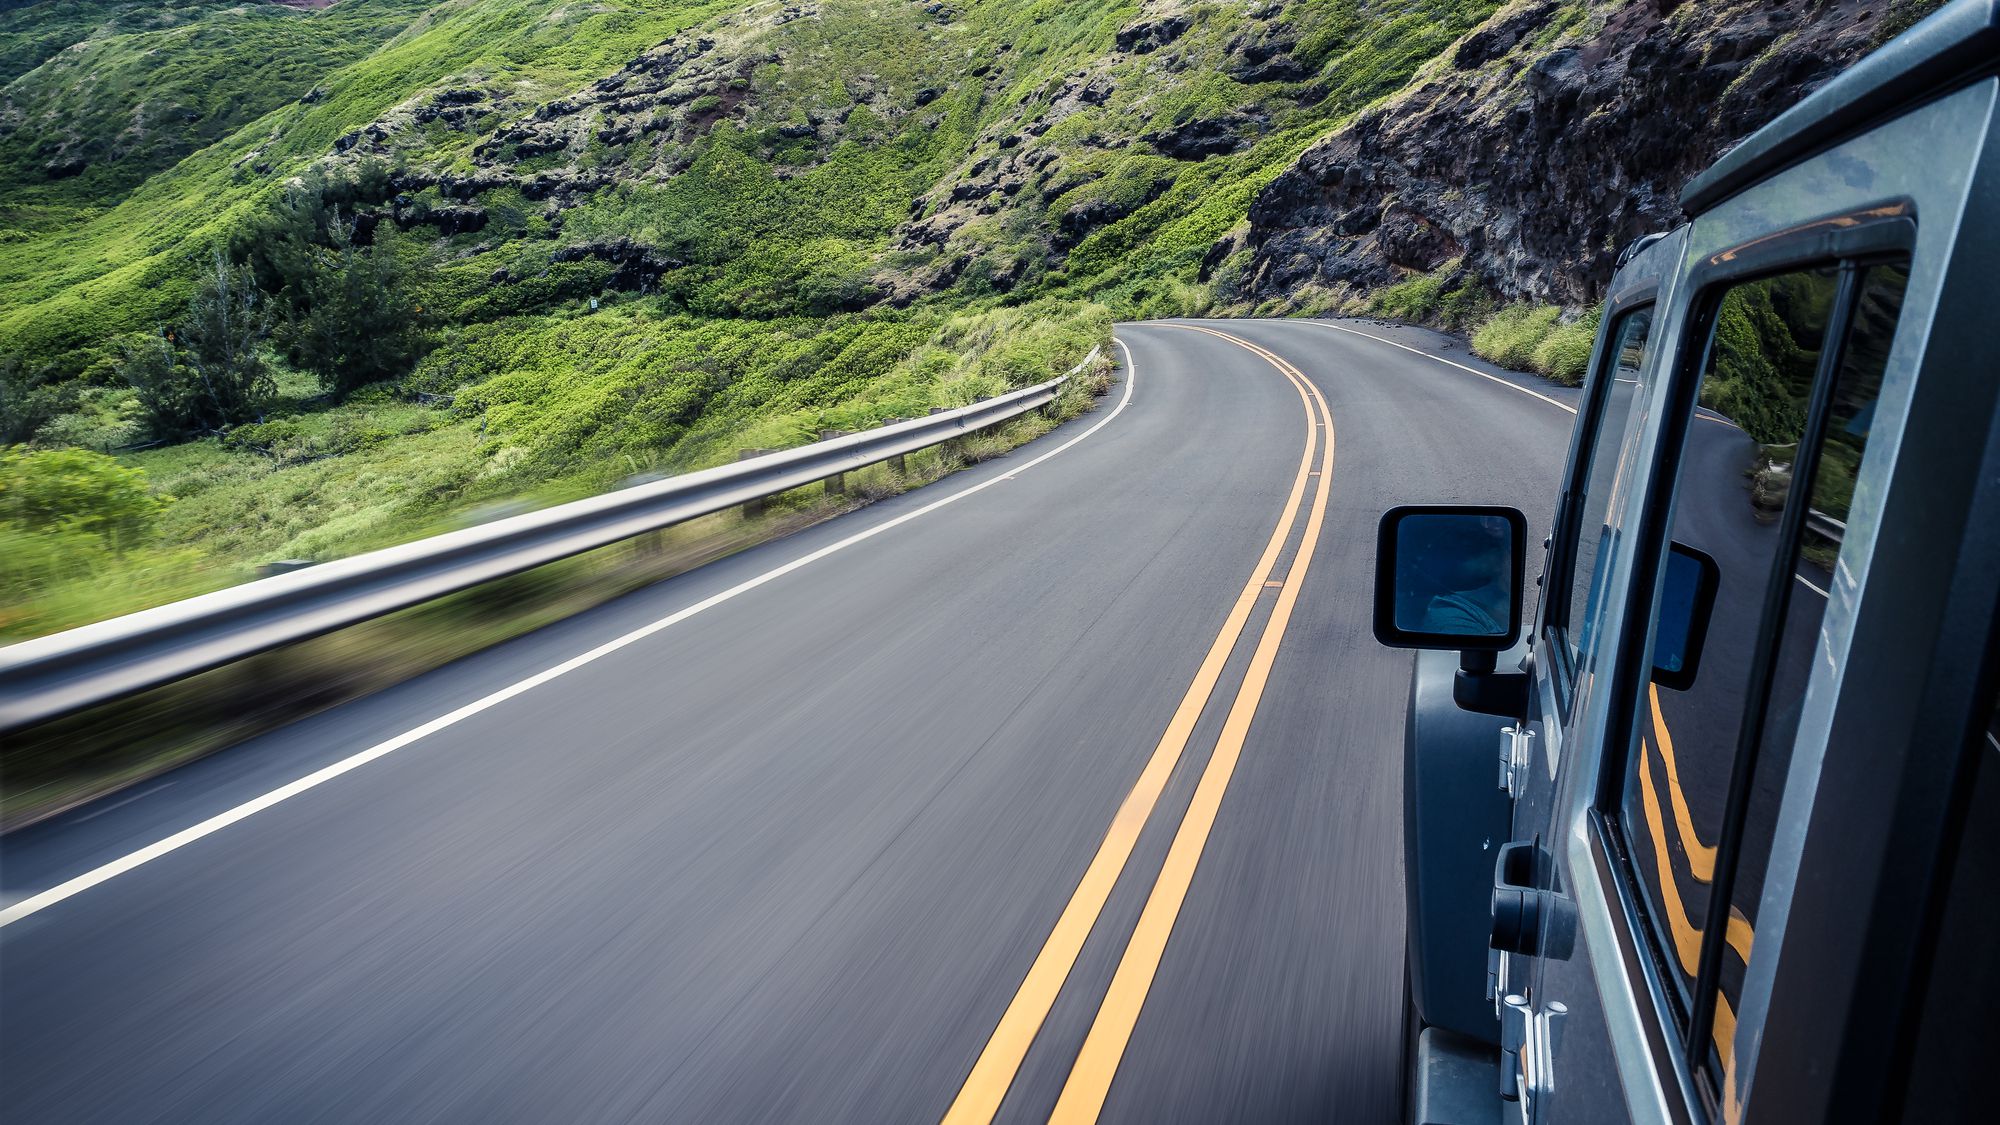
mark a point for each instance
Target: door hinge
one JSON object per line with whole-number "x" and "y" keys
{"x": 1517, "y": 749}
{"x": 1529, "y": 1040}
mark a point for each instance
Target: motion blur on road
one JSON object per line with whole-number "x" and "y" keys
{"x": 1068, "y": 785}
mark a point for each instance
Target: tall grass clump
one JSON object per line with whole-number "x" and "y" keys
{"x": 1510, "y": 337}
{"x": 1444, "y": 297}
{"x": 1538, "y": 338}
{"x": 1564, "y": 354}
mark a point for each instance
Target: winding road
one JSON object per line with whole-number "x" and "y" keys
{"x": 1070, "y": 786}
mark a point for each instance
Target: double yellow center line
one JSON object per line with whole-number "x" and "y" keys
{"x": 1090, "y": 1078}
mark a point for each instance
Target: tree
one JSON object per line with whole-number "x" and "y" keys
{"x": 358, "y": 323}
{"x": 27, "y": 398}
{"x": 277, "y": 245}
{"x": 208, "y": 373}
{"x": 281, "y": 243}
{"x": 221, "y": 342}
{"x": 165, "y": 394}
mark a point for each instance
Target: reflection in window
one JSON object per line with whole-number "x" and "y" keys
{"x": 1733, "y": 480}
{"x": 1616, "y": 404}
{"x": 1734, "y": 487}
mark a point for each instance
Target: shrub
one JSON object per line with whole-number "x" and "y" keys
{"x": 27, "y": 398}
{"x": 103, "y": 418}
{"x": 1446, "y": 297}
{"x": 76, "y": 491}
{"x": 164, "y": 392}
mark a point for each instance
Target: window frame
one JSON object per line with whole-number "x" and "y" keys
{"x": 1556, "y": 591}
{"x": 1960, "y": 775}
{"x": 1849, "y": 240}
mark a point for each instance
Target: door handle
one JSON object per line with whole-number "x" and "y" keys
{"x": 1517, "y": 904}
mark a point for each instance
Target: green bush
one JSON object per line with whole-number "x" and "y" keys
{"x": 76, "y": 491}
{"x": 28, "y": 398}
{"x": 1538, "y": 338}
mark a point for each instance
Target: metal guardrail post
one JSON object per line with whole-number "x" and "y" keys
{"x": 896, "y": 463}
{"x": 56, "y": 675}
{"x": 753, "y": 507}
{"x": 836, "y": 485}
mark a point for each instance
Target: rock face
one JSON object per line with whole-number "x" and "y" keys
{"x": 1536, "y": 159}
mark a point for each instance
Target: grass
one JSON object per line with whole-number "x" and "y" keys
{"x": 1539, "y": 338}
{"x": 1444, "y": 298}
{"x": 533, "y": 411}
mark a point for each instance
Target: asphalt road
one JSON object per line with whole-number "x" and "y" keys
{"x": 793, "y": 856}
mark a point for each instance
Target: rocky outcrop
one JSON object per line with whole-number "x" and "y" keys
{"x": 1147, "y": 36}
{"x": 1535, "y": 160}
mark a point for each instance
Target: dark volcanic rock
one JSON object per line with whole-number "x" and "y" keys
{"x": 449, "y": 220}
{"x": 1538, "y": 166}
{"x": 1199, "y": 138}
{"x": 456, "y": 186}
{"x": 1277, "y": 68}
{"x": 1264, "y": 55}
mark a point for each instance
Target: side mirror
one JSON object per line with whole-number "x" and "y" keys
{"x": 1687, "y": 599}
{"x": 1448, "y": 576}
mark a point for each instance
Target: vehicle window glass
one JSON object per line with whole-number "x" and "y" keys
{"x": 1850, "y": 410}
{"x": 1956, "y": 1034}
{"x": 1615, "y": 404}
{"x": 1734, "y": 487}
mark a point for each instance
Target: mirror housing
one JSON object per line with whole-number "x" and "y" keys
{"x": 1448, "y": 576}
{"x": 1687, "y": 600}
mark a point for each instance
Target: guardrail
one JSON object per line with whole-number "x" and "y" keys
{"x": 1826, "y": 526}
{"x": 65, "y": 672}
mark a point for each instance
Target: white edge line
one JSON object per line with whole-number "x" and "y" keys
{"x": 36, "y": 903}
{"x": 1512, "y": 386}
{"x": 1808, "y": 584}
